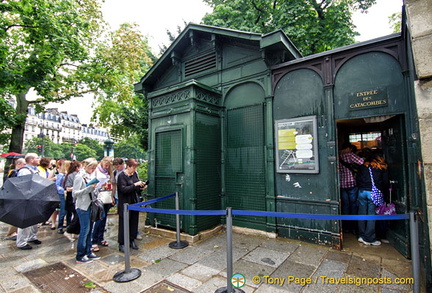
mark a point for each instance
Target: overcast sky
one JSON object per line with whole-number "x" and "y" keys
{"x": 155, "y": 17}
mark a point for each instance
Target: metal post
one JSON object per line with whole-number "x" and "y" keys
{"x": 415, "y": 254}
{"x": 178, "y": 244}
{"x": 229, "y": 250}
{"x": 229, "y": 288}
{"x": 126, "y": 240}
{"x": 127, "y": 274}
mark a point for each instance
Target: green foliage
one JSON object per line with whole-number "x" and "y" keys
{"x": 94, "y": 145}
{"x": 313, "y": 26}
{"x": 8, "y": 120}
{"x": 83, "y": 152}
{"x": 395, "y": 21}
{"x": 46, "y": 45}
{"x": 142, "y": 171}
{"x": 61, "y": 49}
{"x": 51, "y": 149}
{"x": 130, "y": 148}
{"x": 128, "y": 56}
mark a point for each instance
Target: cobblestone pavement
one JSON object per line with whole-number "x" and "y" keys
{"x": 268, "y": 264}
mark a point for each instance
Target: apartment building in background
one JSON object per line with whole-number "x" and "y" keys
{"x": 60, "y": 127}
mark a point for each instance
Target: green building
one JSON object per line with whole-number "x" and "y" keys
{"x": 242, "y": 120}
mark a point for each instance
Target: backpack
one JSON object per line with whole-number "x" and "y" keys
{"x": 14, "y": 172}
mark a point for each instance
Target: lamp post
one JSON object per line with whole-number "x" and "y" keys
{"x": 42, "y": 136}
{"x": 108, "y": 148}
{"x": 72, "y": 155}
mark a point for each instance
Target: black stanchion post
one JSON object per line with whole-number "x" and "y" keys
{"x": 229, "y": 288}
{"x": 178, "y": 244}
{"x": 415, "y": 254}
{"x": 128, "y": 274}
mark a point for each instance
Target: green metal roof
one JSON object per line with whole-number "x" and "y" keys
{"x": 276, "y": 40}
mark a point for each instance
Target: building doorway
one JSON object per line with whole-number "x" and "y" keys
{"x": 387, "y": 134}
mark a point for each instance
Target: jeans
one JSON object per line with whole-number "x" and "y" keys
{"x": 349, "y": 204}
{"x": 99, "y": 226}
{"x": 366, "y": 207}
{"x": 84, "y": 240}
{"x": 63, "y": 213}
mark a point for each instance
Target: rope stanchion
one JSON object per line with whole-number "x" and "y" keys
{"x": 179, "y": 244}
{"x": 229, "y": 288}
{"x": 128, "y": 274}
{"x": 415, "y": 253}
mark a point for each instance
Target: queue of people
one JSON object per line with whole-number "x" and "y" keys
{"x": 77, "y": 189}
{"x": 358, "y": 175}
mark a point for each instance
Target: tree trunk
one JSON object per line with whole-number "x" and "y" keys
{"x": 16, "y": 143}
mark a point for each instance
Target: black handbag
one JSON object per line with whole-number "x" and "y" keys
{"x": 97, "y": 211}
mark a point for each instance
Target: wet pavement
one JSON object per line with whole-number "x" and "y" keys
{"x": 268, "y": 264}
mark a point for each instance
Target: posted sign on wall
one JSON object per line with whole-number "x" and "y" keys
{"x": 296, "y": 145}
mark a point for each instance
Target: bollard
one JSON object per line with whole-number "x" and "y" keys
{"x": 128, "y": 274}
{"x": 178, "y": 244}
{"x": 229, "y": 288}
{"x": 415, "y": 254}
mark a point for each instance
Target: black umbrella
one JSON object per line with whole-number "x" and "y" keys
{"x": 15, "y": 156}
{"x": 27, "y": 200}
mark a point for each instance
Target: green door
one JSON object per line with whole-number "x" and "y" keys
{"x": 168, "y": 170}
{"x": 394, "y": 147}
{"x": 245, "y": 163}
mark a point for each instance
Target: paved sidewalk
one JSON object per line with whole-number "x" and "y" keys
{"x": 275, "y": 265}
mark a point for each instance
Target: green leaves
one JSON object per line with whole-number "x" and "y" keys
{"x": 313, "y": 26}
{"x": 62, "y": 49}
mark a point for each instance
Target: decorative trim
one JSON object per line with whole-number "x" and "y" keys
{"x": 171, "y": 98}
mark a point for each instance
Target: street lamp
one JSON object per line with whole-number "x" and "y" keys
{"x": 108, "y": 147}
{"x": 72, "y": 155}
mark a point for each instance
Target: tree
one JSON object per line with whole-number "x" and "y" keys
{"x": 94, "y": 145}
{"x": 50, "y": 149}
{"x": 128, "y": 57}
{"x": 83, "y": 152}
{"x": 129, "y": 149}
{"x": 45, "y": 45}
{"x": 395, "y": 21}
{"x": 313, "y": 25}
{"x": 8, "y": 120}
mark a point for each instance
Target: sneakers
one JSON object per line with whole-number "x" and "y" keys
{"x": 25, "y": 247}
{"x": 84, "y": 259}
{"x": 60, "y": 231}
{"x": 93, "y": 256}
{"x": 138, "y": 237}
{"x": 36, "y": 241}
{"x": 374, "y": 243}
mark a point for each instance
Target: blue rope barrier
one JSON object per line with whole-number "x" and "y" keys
{"x": 153, "y": 200}
{"x": 139, "y": 207}
{"x": 320, "y": 216}
{"x": 179, "y": 212}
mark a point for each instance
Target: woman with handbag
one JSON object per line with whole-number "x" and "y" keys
{"x": 129, "y": 188}
{"x": 73, "y": 227}
{"x": 372, "y": 178}
{"x": 84, "y": 196}
{"x": 104, "y": 174}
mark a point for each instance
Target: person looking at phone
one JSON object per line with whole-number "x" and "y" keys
{"x": 129, "y": 187}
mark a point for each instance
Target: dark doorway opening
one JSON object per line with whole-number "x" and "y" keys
{"x": 387, "y": 134}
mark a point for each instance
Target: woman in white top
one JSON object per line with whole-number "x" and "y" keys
{"x": 104, "y": 174}
{"x": 83, "y": 195}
